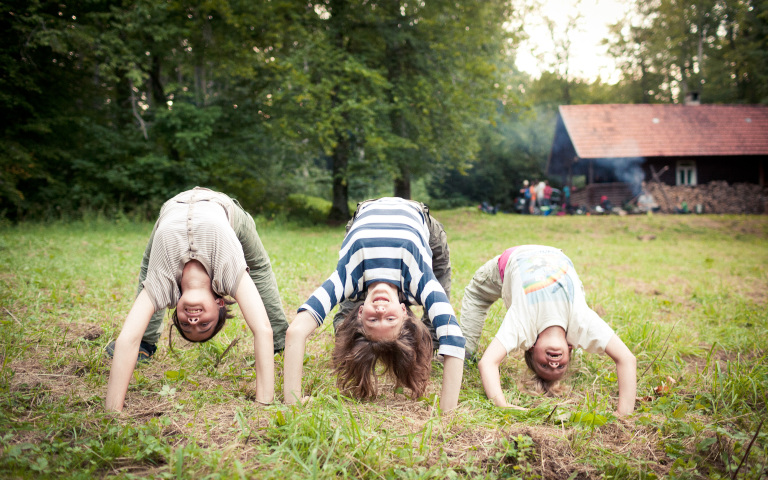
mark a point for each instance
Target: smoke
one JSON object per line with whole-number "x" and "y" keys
{"x": 624, "y": 169}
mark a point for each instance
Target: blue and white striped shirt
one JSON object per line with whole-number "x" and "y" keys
{"x": 389, "y": 242}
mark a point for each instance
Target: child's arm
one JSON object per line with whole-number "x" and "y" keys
{"x": 453, "y": 370}
{"x": 249, "y": 300}
{"x": 489, "y": 374}
{"x": 626, "y": 373}
{"x": 295, "y": 343}
{"x": 127, "y": 351}
{"x": 261, "y": 274}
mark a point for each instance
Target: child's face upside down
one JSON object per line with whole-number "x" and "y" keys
{"x": 382, "y": 314}
{"x": 551, "y": 354}
{"x": 198, "y": 307}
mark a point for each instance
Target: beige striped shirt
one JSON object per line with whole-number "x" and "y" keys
{"x": 194, "y": 225}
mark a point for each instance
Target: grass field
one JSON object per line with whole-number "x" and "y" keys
{"x": 687, "y": 294}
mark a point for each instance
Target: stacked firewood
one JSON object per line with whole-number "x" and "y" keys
{"x": 714, "y": 197}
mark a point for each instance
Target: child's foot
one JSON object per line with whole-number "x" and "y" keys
{"x": 146, "y": 350}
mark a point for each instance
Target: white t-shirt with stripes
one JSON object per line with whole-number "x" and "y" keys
{"x": 194, "y": 225}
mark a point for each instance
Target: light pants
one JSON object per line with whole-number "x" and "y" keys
{"x": 483, "y": 291}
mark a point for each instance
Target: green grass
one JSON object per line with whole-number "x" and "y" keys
{"x": 687, "y": 294}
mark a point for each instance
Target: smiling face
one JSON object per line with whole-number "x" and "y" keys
{"x": 198, "y": 313}
{"x": 382, "y": 314}
{"x": 550, "y": 354}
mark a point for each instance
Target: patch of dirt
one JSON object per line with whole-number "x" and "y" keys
{"x": 640, "y": 287}
{"x": 600, "y": 310}
{"x": 555, "y": 447}
{"x": 74, "y": 331}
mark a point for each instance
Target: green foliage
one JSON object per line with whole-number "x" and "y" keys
{"x": 303, "y": 207}
{"x": 669, "y": 48}
{"x": 515, "y": 457}
{"x": 117, "y": 106}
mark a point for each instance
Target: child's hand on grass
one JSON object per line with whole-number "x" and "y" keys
{"x": 506, "y": 404}
{"x": 501, "y": 402}
{"x": 305, "y": 400}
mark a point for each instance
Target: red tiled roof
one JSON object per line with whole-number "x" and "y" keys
{"x": 643, "y": 130}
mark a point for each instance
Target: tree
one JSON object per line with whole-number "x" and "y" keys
{"x": 739, "y": 68}
{"x": 442, "y": 60}
{"x": 119, "y": 105}
{"x": 395, "y": 90}
{"x": 714, "y": 47}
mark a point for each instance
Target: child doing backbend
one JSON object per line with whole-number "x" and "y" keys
{"x": 202, "y": 248}
{"x": 547, "y": 316}
{"x": 385, "y": 262}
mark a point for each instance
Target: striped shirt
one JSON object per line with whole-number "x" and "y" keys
{"x": 389, "y": 242}
{"x": 194, "y": 225}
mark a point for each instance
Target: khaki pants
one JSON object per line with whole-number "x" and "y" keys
{"x": 483, "y": 291}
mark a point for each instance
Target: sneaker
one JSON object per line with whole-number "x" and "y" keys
{"x": 146, "y": 350}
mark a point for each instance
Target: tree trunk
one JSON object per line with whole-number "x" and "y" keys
{"x": 340, "y": 207}
{"x": 156, "y": 85}
{"x": 403, "y": 183}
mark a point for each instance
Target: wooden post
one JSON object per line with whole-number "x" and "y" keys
{"x": 656, "y": 179}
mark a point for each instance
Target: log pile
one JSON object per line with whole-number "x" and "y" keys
{"x": 714, "y": 197}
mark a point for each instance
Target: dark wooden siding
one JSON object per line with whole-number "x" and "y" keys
{"x": 709, "y": 169}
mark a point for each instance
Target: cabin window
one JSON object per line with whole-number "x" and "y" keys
{"x": 686, "y": 173}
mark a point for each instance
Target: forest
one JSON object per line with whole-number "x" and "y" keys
{"x": 110, "y": 107}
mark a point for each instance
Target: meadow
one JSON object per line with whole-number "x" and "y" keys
{"x": 687, "y": 294}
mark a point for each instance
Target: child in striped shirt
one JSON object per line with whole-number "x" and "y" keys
{"x": 385, "y": 261}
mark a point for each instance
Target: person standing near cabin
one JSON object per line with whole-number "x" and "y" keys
{"x": 204, "y": 247}
{"x": 525, "y": 194}
{"x": 540, "y": 193}
{"x": 547, "y": 194}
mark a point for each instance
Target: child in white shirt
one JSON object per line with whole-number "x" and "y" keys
{"x": 547, "y": 315}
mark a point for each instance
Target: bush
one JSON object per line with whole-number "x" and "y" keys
{"x": 306, "y": 208}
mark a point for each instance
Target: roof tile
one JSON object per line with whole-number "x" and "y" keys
{"x": 649, "y": 130}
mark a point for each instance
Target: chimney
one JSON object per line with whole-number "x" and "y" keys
{"x": 692, "y": 99}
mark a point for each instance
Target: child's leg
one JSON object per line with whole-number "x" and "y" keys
{"x": 155, "y": 328}
{"x": 482, "y": 291}
{"x": 345, "y": 309}
{"x": 261, "y": 273}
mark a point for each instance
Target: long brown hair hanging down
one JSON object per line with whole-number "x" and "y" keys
{"x": 408, "y": 358}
